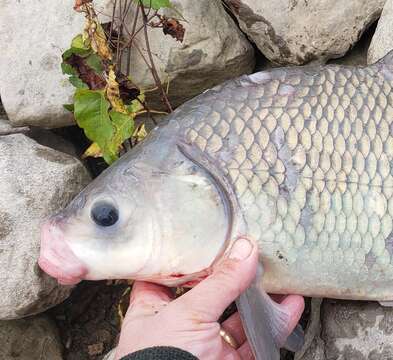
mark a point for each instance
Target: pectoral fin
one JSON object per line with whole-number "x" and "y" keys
{"x": 267, "y": 324}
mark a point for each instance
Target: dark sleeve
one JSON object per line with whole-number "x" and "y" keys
{"x": 160, "y": 353}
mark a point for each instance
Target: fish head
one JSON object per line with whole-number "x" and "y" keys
{"x": 155, "y": 215}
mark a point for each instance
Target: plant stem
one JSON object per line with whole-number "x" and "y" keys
{"x": 132, "y": 32}
{"x": 113, "y": 20}
{"x": 118, "y": 52}
{"x": 164, "y": 96}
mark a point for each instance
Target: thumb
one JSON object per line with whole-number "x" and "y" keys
{"x": 147, "y": 298}
{"x": 229, "y": 279}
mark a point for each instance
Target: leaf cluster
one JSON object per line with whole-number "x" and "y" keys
{"x": 98, "y": 108}
{"x": 105, "y": 100}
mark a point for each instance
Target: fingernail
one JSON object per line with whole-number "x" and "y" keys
{"x": 241, "y": 249}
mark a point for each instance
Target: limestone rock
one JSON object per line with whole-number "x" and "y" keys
{"x": 352, "y": 330}
{"x": 300, "y": 31}
{"x": 51, "y": 140}
{"x": 35, "y": 182}
{"x": 34, "y": 35}
{"x": 357, "y": 330}
{"x": 4, "y": 125}
{"x": 382, "y": 41}
{"x": 213, "y": 51}
{"x": 2, "y": 111}
{"x": 357, "y": 56}
{"x": 30, "y": 338}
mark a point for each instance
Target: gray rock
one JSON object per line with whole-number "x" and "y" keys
{"x": 353, "y": 330}
{"x": 34, "y": 35}
{"x": 2, "y": 111}
{"x": 357, "y": 330}
{"x": 6, "y": 128}
{"x": 49, "y": 139}
{"x": 382, "y": 41}
{"x": 357, "y": 56}
{"x": 300, "y": 31}
{"x": 29, "y": 339}
{"x": 213, "y": 50}
{"x": 35, "y": 182}
{"x": 4, "y": 124}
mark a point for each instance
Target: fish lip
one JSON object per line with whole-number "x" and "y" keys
{"x": 56, "y": 258}
{"x": 56, "y": 272}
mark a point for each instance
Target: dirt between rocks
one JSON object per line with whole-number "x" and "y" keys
{"x": 89, "y": 320}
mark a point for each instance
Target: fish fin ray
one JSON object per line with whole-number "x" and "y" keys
{"x": 266, "y": 324}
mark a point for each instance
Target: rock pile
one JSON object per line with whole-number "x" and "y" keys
{"x": 37, "y": 180}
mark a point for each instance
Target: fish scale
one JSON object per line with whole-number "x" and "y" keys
{"x": 308, "y": 152}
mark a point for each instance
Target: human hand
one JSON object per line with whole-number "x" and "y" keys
{"x": 190, "y": 321}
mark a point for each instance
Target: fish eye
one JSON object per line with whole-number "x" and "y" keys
{"x": 104, "y": 214}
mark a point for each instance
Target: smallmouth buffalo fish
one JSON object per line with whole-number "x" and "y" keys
{"x": 299, "y": 158}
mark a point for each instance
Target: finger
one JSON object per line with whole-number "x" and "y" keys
{"x": 295, "y": 307}
{"x": 148, "y": 297}
{"x": 230, "y": 278}
{"x": 233, "y": 325}
{"x": 245, "y": 352}
{"x": 228, "y": 353}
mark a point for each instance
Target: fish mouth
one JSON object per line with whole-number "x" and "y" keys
{"x": 56, "y": 257}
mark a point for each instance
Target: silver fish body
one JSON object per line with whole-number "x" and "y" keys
{"x": 301, "y": 155}
{"x": 309, "y": 154}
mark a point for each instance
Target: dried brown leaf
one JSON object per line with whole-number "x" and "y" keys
{"x": 173, "y": 28}
{"x": 128, "y": 90}
{"x": 86, "y": 74}
{"x": 79, "y": 3}
{"x": 170, "y": 27}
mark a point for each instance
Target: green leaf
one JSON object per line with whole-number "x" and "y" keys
{"x": 136, "y": 105}
{"x": 67, "y": 54}
{"x": 109, "y": 157}
{"x": 91, "y": 114}
{"x": 124, "y": 126}
{"x": 78, "y": 43}
{"x": 95, "y": 63}
{"x": 69, "y": 107}
{"x": 78, "y": 83}
{"x": 78, "y": 47}
{"x": 157, "y": 4}
{"x": 67, "y": 69}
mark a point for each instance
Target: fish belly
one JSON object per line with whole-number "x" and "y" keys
{"x": 309, "y": 153}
